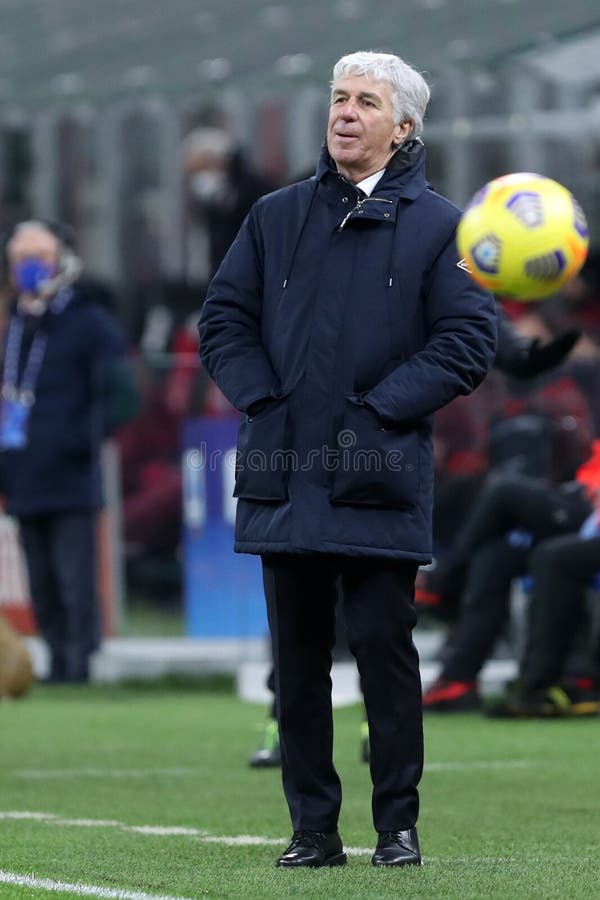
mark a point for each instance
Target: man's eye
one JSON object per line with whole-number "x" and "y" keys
{"x": 339, "y": 100}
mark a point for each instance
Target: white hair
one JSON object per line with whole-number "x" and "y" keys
{"x": 207, "y": 141}
{"x": 410, "y": 91}
{"x": 34, "y": 225}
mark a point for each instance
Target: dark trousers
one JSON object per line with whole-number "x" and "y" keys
{"x": 489, "y": 561}
{"x": 60, "y": 554}
{"x": 378, "y": 599}
{"x": 485, "y": 608}
{"x": 562, "y": 569}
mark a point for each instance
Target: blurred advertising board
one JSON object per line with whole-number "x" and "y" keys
{"x": 223, "y": 589}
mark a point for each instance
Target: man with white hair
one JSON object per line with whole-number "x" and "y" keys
{"x": 65, "y": 384}
{"x": 339, "y": 322}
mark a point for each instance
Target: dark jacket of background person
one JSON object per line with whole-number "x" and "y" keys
{"x": 84, "y": 391}
{"x": 222, "y": 215}
{"x": 359, "y": 333}
{"x": 224, "y": 218}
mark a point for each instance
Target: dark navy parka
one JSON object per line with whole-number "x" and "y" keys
{"x": 352, "y": 314}
{"x": 59, "y": 470}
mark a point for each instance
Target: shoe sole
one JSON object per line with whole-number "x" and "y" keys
{"x": 398, "y": 865}
{"x": 339, "y": 859}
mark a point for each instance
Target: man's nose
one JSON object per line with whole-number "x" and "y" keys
{"x": 347, "y": 110}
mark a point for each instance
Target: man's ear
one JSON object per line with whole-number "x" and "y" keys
{"x": 401, "y": 132}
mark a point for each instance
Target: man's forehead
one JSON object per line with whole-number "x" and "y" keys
{"x": 361, "y": 84}
{"x": 37, "y": 234}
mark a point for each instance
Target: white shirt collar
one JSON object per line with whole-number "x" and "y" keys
{"x": 367, "y": 185}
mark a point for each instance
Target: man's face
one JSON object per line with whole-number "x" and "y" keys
{"x": 361, "y": 135}
{"x": 197, "y": 161}
{"x": 34, "y": 242}
{"x": 207, "y": 176}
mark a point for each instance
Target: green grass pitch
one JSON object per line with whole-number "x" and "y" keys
{"x": 509, "y": 809}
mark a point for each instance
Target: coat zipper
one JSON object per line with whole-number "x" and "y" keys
{"x": 359, "y": 204}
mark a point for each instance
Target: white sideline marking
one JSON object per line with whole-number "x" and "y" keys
{"x": 519, "y": 860}
{"x": 103, "y": 773}
{"x": 161, "y": 830}
{"x": 23, "y": 815}
{"x": 52, "y": 819}
{"x": 240, "y": 840}
{"x": 243, "y": 840}
{"x": 80, "y": 890}
{"x": 482, "y": 764}
{"x": 237, "y": 840}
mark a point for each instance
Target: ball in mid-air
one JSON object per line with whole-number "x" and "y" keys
{"x": 523, "y": 236}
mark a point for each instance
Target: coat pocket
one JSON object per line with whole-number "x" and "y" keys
{"x": 262, "y": 460}
{"x": 376, "y": 465}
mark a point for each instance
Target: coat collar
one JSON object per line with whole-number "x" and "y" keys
{"x": 403, "y": 177}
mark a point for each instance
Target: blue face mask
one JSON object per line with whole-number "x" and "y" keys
{"x": 29, "y": 274}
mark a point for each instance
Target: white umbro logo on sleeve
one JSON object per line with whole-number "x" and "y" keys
{"x": 464, "y": 265}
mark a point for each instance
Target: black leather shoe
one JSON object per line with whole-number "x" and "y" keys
{"x": 313, "y": 849}
{"x": 397, "y": 848}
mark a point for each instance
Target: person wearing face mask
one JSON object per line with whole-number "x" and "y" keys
{"x": 66, "y": 383}
{"x": 221, "y": 188}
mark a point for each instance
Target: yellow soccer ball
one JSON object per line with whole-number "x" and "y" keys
{"x": 523, "y": 236}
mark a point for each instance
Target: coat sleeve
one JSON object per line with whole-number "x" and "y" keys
{"x": 231, "y": 346}
{"x": 460, "y": 324}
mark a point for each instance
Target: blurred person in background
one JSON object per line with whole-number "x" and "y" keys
{"x": 465, "y": 449}
{"x": 66, "y": 384}
{"x": 221, "y": 188}
{"x": 511, "y": 516}
{"x": 537, "y": 432}
{"x": 576, "y": 307}
{"x": 579, "y": 299}
{"x": 562, "y": 571}
{"x": 303, "y": 331}
{"x": 528, "y": 418}
{"x": 541, "y": 425}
